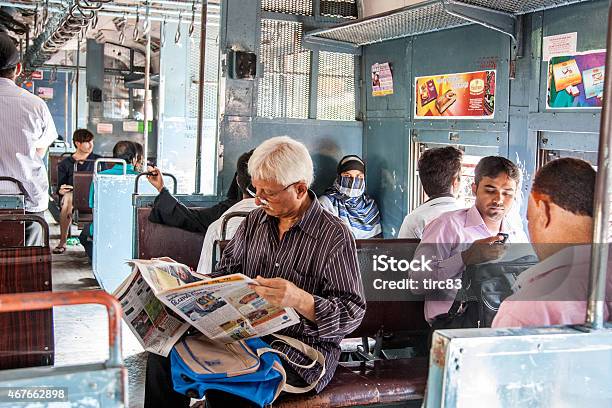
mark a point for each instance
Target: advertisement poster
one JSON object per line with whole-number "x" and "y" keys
{"x": 561, "y": 44}
{"x": 467, "y": 95}
{"x": 576, "y": 81}
{"x": 28, "y": 86}
{"x": 382, "y": 80}
{"x": 45, "y": 93}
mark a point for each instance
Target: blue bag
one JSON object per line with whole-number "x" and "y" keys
{"x": 249, "y": 368}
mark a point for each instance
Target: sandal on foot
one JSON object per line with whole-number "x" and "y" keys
{"x": 59, "y": 250}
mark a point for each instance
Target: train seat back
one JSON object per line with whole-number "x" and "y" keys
{"x": 26, "y": 269}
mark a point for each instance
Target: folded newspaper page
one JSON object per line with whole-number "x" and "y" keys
{"x": 225, "y": 309}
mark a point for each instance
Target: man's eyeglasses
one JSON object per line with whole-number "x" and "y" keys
{"x": 265, "y": 196}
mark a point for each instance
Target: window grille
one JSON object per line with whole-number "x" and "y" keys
{"x": 299, "y": 7}
{"x": 339, "y": 8}
{"x": 284, "y": 86}
{"x": 336, "y": 86}
{"x": 211, "y": 72}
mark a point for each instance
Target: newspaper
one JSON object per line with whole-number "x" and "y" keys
{"x": 225, "y": 309}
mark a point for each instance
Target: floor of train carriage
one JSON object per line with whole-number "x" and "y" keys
{"x": 81, "y": 332}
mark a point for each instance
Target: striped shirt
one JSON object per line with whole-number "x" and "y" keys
{"x": 318, "y": 255}
{"x": 27, "y": 125}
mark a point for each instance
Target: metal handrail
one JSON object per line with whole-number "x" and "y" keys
{"x": 29, "y": 218}
{"x": 17, "y": 182}
{"x": 21, "y": 302}
{"x": 172, "y": 176}
{"x": 601, "y": 204}
{"x": 228, "y": 217}
{"x": 110, "y": 160}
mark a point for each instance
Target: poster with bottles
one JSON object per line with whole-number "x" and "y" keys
{"x": 465, "y": 95}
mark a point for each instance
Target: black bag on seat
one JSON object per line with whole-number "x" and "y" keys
{"x": 483, "y": 288}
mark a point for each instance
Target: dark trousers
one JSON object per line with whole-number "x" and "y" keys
{"x": 87, "y": 241}
{"x": 34, "y": 232}
{"x": 159, "y": 392}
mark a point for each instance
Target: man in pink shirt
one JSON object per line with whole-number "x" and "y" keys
{"x": 560, "y": 216}
{"x": 468, "y": 236}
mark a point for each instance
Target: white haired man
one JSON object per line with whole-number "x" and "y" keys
{"x": 302, "y": 257}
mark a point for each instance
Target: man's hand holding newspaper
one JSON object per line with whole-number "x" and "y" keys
{"x": 225, "y": 309}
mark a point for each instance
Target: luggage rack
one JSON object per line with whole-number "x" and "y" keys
{"x": 433, "y": 15}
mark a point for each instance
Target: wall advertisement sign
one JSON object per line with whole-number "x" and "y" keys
{"x": 382, "y": 79}
{"x": 576, "y": 81}
{"x": 466, "y": 95}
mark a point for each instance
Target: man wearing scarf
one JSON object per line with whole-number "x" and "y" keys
{"x": 347, "y": 199}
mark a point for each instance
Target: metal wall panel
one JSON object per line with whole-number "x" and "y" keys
{"x": 386, "y": 153}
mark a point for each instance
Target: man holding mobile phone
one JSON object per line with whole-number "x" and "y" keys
{"x": 470, "y": 236}
{"x": 84, "y": 158}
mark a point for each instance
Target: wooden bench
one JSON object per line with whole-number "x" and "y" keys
{"x": 80, "y": 198}
{"x": 26, "y": 269}
{"x": 12, "y": 233}
{"x": 157, "y": 240}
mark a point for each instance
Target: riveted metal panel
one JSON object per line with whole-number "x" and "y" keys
{"x": 336, "y": 86}
{"x": 284, "y": 85}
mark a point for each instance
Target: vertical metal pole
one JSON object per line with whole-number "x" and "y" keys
{"x": 147, "y": 94}
{"x": 198, "y": 169}
{"x": 66, "y": 94}
{"x": 76, "y": 86}
{"x": 601, "y": 205}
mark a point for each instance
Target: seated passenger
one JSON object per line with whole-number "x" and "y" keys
{"x": 125, "y": 150}
{"x": 347, "y": 199}
{"x": 139, "y": 166}
{"x": 461, "y": 237}
{"x": 247, "y": 204}
{"x": 83, "y": 140}
{"x": 560, "y": 215}
{"x": 168, "y": 210}
{"x": 440, "y": 174}
{"x": 302, "y": 256}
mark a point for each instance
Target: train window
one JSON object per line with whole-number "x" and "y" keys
{"x": 284, "y": 87}
{"x": 336, "y": 86}
{"x": 471, "y": 157}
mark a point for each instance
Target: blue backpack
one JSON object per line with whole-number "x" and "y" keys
{"x": 250, "y": 369}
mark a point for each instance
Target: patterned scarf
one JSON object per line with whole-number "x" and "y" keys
{"x": 347, "y": 195}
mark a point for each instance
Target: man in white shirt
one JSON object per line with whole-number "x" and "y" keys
{"x": 27, "y": 131}
{"x": 247, "y": 204}
{"x": 440, "y": 175}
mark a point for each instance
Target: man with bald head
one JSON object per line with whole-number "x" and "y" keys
{"x": 560, "y": 216}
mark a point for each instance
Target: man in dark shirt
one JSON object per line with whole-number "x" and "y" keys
{"x": 84, "y": 160}
{"x": 302, "y": 257}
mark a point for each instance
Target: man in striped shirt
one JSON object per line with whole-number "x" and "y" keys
{"x": 302, "y": 256}
{"x": 26, "y": 133}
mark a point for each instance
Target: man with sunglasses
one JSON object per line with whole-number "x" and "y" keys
{"x": 301, "y": 256}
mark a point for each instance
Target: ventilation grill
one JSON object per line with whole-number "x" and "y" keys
{"x": 284, "y": 86}
{"x": 299, "y": 7}
{"x": 211, "y": 72}
{"x": 339, "y": 8}
{"x": 336, "y": 86}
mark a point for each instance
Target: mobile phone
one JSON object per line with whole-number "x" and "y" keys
{"x": 503, "y": 240}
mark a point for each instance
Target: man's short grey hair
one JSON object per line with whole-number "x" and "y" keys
{"x": 281, "y": 160}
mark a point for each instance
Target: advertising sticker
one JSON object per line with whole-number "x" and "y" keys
{"x": 382, "y": 80}
{"x": 467, "y": 95}
{"x": 45, "y": 93}
{"x": 576, "y": 81}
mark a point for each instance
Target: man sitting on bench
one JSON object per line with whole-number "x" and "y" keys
{"x": 560, "y": 215}
{"x": 302, "y": 256}
{"x": 465, "y": 237}
{"x": 83, "y": 140}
